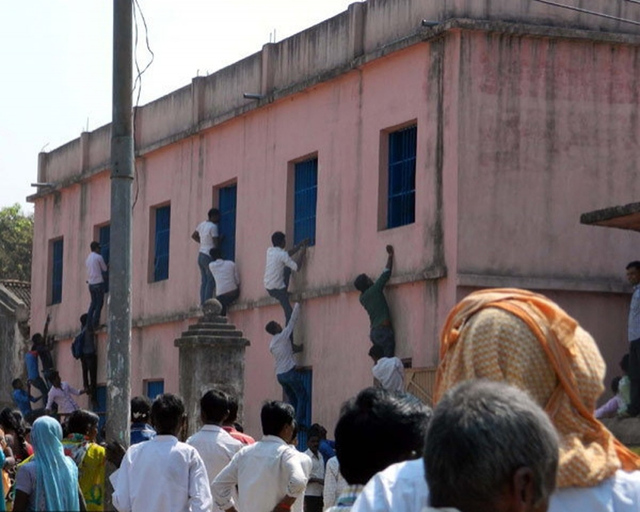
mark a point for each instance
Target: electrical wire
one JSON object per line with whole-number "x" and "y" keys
{"x": 137, "y": 84}
{"x": 587, "y": 11}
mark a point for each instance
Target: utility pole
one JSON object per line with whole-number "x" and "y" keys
{"x": 122, "y": 167}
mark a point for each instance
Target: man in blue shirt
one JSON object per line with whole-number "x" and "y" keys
{"x": 22, "y": 397}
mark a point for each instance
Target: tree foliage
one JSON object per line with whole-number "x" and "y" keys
{"x": 16, "y": 238}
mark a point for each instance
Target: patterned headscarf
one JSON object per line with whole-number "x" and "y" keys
{"x": 56, "y": 474}
{"x": 526, "y": 340}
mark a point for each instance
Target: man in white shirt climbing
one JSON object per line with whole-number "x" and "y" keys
{"x": 278, "y": 268}
{"x": 206, "y": 234}
{"x": 287, "y": 371}
{"x": 95, "y": 279}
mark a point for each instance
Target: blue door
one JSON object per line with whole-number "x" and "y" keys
{"x": 227, "y": 227}
{"x": 307, "y": 380}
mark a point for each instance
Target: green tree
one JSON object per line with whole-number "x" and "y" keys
{"x": 16, "y": 238}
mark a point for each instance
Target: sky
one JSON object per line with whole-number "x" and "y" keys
{"x": 56, "y": 59}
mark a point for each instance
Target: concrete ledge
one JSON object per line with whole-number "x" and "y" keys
{"x": 542, "y": 283}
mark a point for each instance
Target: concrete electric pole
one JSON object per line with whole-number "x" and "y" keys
{"x": 122, "y": 174}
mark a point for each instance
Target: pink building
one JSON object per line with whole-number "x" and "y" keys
{"x": 472, "y": 146}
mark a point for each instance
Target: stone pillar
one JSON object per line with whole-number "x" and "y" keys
{"x": 211, "y": 354}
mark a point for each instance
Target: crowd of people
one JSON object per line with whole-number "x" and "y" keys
{"x": 513, "y": 429}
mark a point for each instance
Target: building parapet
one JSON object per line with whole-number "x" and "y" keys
{"x": 365, "y": 32}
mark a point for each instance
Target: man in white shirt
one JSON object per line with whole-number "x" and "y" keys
{"x": 269, "y": 474}
{"x": 278, "y": 270}
{"x": 206, "y": 234}
{"x": 633, "y": 276}
{"x": 163, "y": 474}
{"x": 334, "y": 482}
{"x": 287, "y": 372}
{"x": 388, "y": 371}
{"x": 313, "y": 501}
{"x": 214, "y": 445}
{"x": 95, "y": 279}
{"x": 227, "y": 280}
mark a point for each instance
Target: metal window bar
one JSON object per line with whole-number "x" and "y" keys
{"x": 401, "y": 195}
{"x": 56, "y": 272}
{"x": 227, "y": 201}
{"x": 163, "y": 231}
{"x": 305, "y": 201}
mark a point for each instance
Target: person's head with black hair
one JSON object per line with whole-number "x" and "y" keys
{"x": 213, "y": 215}
{"x": 615, "y": 384}
{"x": 633, "y": 272}
{"x": 362, "y": 283}
{"x": 37, "y": 340}
{"x": 17, "y": 384}
{"x": 278, "y": 239}
{"x": 54, "y": 378}
{"x": 232, "y": 404}
{"x": 376, "y": 352}
{"x": 167, "y": 414}
{"x": 378, "y": 428}
{"x": 624, "y": 364}
{"x": 84, "y": 423}
{"x": 273, "y": 328}
{"x": 12, "y": 422}
{"x": 215, "y": 253}
{"x": 214, "y": 407}
{"x": 278, "y": 419}
{"x": 140, "y": 409}
{"x": 95, "y": 247}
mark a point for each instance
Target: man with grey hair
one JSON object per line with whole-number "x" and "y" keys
{"x": 490, "y": 448}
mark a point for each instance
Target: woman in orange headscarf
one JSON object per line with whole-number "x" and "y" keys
{"x": 526, "y": 340}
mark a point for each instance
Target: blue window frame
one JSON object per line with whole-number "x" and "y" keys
{"x": 161, "y": 245}
{"x": 57, "y": 249}
{"x": 154, "y": 388}
{"x": 401, "y": 200}
{"x": 305, "y": 198}
{"x": 227, "y": 198}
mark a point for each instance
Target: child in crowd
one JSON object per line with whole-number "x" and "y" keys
{"x": 621, "y": 387}
{"x": 140, "y": 428}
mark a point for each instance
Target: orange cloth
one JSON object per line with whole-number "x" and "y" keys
{"x": 526, "y": 340}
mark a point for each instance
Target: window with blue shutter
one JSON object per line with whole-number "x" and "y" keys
{"x": 305, "y": 197}
{"x": 227, "y": 197}
{"x": 161, "y": 246}
{"x": 154, "y": 389}
{"x": 57, "y": 249}
{"x": 104, "y": 234}
{"x": 401, "y": 201}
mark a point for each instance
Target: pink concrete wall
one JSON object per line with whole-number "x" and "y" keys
{"x": 341, "y": 121}
{"x": 516, "y": 138}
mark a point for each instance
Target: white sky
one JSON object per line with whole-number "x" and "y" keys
{"x": 55, "y": 63}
